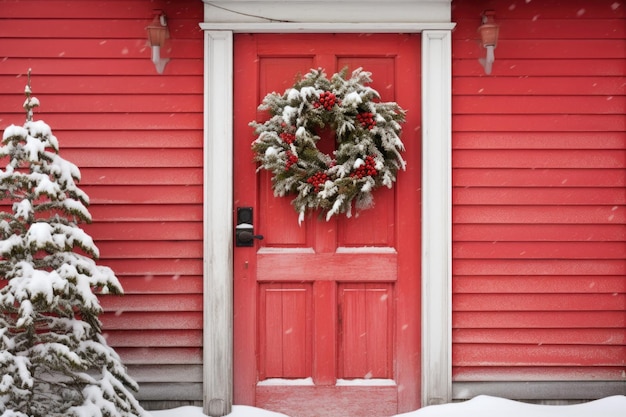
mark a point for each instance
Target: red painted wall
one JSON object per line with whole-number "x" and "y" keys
{"x": 137, "y": 138}
{"x": 539, "y": 170}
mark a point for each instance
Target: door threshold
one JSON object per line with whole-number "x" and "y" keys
{"x": 360, "y": 382}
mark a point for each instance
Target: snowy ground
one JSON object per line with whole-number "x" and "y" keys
{"x": 481, "y": 406}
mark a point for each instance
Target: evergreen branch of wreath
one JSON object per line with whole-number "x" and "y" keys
{"x": 369, "y": 148}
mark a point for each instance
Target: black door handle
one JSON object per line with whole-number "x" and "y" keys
{"x": 244, "y": 232}
{"x": 246, "y": 236}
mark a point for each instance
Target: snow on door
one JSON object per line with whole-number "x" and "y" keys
{"x": 327, "y": 314}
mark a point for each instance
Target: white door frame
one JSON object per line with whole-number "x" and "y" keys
{"x": 222, "y": 19}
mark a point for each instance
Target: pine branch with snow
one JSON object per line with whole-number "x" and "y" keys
{"x": 54, "y": 360}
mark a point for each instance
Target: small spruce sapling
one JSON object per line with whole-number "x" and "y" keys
{"x": 54, "y": 360}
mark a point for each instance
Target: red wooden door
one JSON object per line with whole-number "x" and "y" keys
{"x": 327, "y": 313}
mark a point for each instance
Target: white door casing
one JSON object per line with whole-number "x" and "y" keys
{"x": 222, "y": 19}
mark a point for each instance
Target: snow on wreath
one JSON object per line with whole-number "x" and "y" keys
{"x": 54, "y": 359}
{"x": 367, "y": 132}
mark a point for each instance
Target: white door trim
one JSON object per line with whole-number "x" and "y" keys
{"x": 217, "y": 337}
{"x": 435, "y": 27}
{"x": 436, "y": 217}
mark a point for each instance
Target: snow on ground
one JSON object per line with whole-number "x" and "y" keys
{"x": 481, "y": 406}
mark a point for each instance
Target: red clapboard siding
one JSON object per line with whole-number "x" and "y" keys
{"x": 542, "y": 140}
{"x": 529, "y": 373}
{"x": 540, "y": 158}
{"x": 144, "y": 320}
{"x": 157, "y": 356}
{"x": 543, "y": 67}
{"x": 537, "y": 85}
{"x": 111, "y": 48}
{"x": 545, "y": 196}
{"x": 539, "y": 28}
{"x": 541, "y": 214}
{"x": 112, "y": 103}
{"x": 128, "y": 194}
{"x": 137, "y": 137}
{"x": 96, "y": 29}
{"x": 150, "y": 249}
{"x": 580, "y": 10}
{"x": 538, "y": 319}
{"x": 493, "y": 105}
{"x": 606, "y": 336}
{"x": 539, "y": 267}
{"x": 123, "y": 122}
{"x": 539, "y": 250}
{"x": 139, "y": 176}
{"x": 156, "y": 213}
{"x": 109, "y": 10}
{"x": 171, "y": 302}
{"x": 103, "y": 84}
{"x": 549, "y": 48}
{"x": 151, "y": 267}
{"x": 539, "y": 302}
{"x": 167, "y": 284}
{"x": 546, "y": 123}
{"x": 142, "y": 230}
{"x": 116, "y": 158}
{"x": 538, "y": 355}
{"x": 562, "y": 177}
{"x": 155, "y": 338}
{"x": 539, "y": 204}
{"x": 97, "y": 66}
{"x": 602, "y": 284}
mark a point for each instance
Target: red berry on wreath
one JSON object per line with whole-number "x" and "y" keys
{"x": 318, "y": 180}
{"x": 291, "y": 160}
{"x": 367, "y": 168}
{"x": 287, "y": 137}
{"x": 366, "y": 119}
{"x": 327, "y": 100}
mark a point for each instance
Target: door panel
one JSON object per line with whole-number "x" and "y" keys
{"x": 327, "y": 311}
{"x": 365, "y": 319}
{"x": 373, "y": 227}
{"x": 285, "y": 330}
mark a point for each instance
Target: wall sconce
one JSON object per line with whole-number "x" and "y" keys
{"x": 489, "y": 39}
{"x": 157, "y": 33}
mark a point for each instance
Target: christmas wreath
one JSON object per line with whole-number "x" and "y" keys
{"x": 368, "y": 145}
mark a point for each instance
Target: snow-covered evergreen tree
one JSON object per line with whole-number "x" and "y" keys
{"x": 54, "y": 360}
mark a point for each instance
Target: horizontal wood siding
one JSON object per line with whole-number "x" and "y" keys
{"x": 137, "y": 138}
{"x": 539, "y": 197}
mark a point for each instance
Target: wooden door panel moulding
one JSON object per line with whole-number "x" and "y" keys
{"x": 435, "y": 27}
{"x": 279, "y": 266}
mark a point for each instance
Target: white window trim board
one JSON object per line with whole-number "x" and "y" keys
{"x": 436, "y": 73}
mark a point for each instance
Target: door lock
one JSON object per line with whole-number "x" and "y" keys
{"x": 244, "y": 231}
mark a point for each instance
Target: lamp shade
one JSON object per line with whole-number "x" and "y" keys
{"x": 157, "y": 30}
{"x": 489, "y": 30}
{"x": 489, "y": 34}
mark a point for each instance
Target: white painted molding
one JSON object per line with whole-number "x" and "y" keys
{"x": 218, "y": 219}
{"x": 432, "y": 19}
{"x": 436, "y": 217}
{"x": 329, "y": 11}
{"x": 325, "y": 27}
